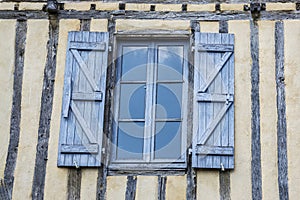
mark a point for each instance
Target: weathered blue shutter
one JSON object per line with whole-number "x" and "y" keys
{"x": 213, "y": 144}
{"x": 83, "y": 100}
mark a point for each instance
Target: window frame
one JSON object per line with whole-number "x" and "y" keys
{"x": 147, "y": 40}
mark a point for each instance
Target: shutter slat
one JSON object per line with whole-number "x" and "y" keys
{"x": 86, "y": 130}
{"x": 85, "y": 70}
{"x": 216, "y": 71}
{"x": 213, "y": 101}
{"x": 81, "y": 130}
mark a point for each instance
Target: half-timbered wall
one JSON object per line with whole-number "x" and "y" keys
{"x": 266, "y": 87}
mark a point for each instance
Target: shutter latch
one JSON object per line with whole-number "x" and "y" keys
{"x": 222, "y": 167}
{"x": 76, "y": 164}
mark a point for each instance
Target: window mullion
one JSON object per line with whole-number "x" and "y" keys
{"x": 149, "y": 102}
{"x": 155, "y": 63}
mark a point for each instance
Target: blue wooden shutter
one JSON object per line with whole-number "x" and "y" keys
{"x": 213, "y": 144}
{"x": 83, "y": 100}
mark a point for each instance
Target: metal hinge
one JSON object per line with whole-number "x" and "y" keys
{"x": 190, "y": 151}
{"x": 192, "y": 48}
{"x": 110, "y": 48}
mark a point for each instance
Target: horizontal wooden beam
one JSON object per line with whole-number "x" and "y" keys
{"x": 208, "y": 16}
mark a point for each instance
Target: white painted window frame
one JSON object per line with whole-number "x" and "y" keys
{"x": 148, "y": 162}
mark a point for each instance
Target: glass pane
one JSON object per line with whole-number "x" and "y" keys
{"x": 170, "y": 62}
{"x": 130, "y": 140}
{"x": 167, "y": 140}
{"x": 168, "y": 101}
{"x": 134, "y": 63}
{"x": 132, "y": 101}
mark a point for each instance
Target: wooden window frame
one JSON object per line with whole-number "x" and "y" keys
{"x": 152, "y": 42}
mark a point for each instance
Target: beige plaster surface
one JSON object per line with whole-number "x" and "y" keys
{"x": 176, "y": 188}
{"x": 200, "y": 7}
{"x": 77, "y": 5}
{"x": 227, "y": 6}
{"x": 6, "y": 6}
{"x": 34, "y": 64}
{"x": 280, "y": 6}
{"x": 116, "y": 187}
{"x": 168, "y": 7}
{"x": 268, "y": 111}
{"x": 7, "y": 52}
{"x": 240, "y": 177}
{"x": 208, "y": 185}
{"x": 209, "y": 27}
{"x": 88, "y": 188}
{"x": 99, "y": 25}
{"x": 147, "y": 188}
{"x": 138, "y": 7}
{"x": 56, "y": 178}
{"x": 129, "y": 25}
{"x": 292, "y": 81}
{"x": 31, "y": 6}
{"x": 106, "y": 6}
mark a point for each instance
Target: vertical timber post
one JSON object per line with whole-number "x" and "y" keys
{"x": 281, "y": 113}
{"x": 255, "y": 119}
{"x": 46, "y": 111}
{"x": 15, "y": 120}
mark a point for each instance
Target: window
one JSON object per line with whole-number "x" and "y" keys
{"x": 150, "y": 126}
{"x": 150, "y": 112}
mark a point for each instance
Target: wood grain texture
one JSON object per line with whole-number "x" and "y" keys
{"x": 281, "y": 113}
{"x": 162, "y": 181}
{"x": 131, "y": 188}
{"x": 15, "y": 120}
{"x": 203, "y": 15}
{"x": 108, "y": 116}
{"x": 224, "y": 178}
{"x": 191, "y": 189}
{"x": 45, "y": 113}
{"x": 255, "y": 119}
{"x": 74, "y": 184}
{"x": 82, "y": 121}
{"x": 214, "y": 80}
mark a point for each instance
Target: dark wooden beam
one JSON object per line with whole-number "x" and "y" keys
{"x": 131, "y": 188}
{"x": 45, "y": 113}
{"x": 255, "y": 119}
{"x": 108, "y": 116}
{"x": 281, "y": 113}
{"x": 20, "y": 42}
{"x": 162, "y": 181}
{"x": 74, "y": 184}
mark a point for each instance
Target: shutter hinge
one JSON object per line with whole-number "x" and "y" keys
{"x": 103, "y": 150}
{"x": 109, "y": 48}
{"x": 190, "y": 151}
{"x": 192, "y": 48}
